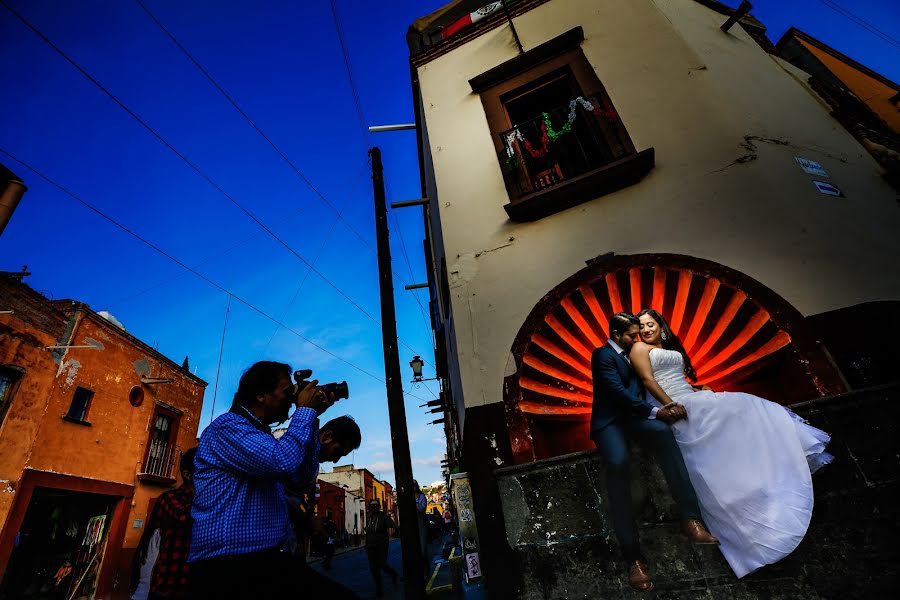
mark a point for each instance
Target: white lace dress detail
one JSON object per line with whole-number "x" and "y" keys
{"x": 750, "y": 461}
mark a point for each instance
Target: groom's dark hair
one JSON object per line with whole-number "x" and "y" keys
{"x": 621, "y": 321}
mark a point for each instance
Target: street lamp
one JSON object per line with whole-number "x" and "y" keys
{"x": 417, "y": 363}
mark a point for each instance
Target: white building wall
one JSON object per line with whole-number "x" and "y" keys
{"x": 702, "y": 99}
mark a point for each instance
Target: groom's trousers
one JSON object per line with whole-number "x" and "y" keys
{"x": 657, "y": 437}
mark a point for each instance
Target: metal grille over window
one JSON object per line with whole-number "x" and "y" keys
{"x": 161, "y": 456}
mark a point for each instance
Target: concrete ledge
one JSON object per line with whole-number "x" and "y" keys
{"x": 558, "y": 529}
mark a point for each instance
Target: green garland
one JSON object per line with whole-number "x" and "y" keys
{"x": 551, "y": 133}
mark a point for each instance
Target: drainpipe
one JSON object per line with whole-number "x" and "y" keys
{"x": 11, "y": 191}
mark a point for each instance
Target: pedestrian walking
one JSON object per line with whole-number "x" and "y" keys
{"x": 378, "y": 537}
{"x": 330, "y": 530}
{"x": 160, "y": 567}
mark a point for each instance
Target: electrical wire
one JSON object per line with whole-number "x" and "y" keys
{"x": 861, "y": 22}
{"x": 212, "y": 412}
{"x": 258, "y": 130}
{"x": 234, "y": 104}
{"x": 184, "y": 158}
{"x": 365, "y": 135}
{"x": 186, "y": 267}
{"x": 347, "y": 66}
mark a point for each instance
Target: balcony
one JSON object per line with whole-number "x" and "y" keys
{"x": 568, "y": 155}
{"x": 159, "y": 467}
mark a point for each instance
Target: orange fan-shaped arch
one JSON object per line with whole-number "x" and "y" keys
{"x": 727, "y": 334}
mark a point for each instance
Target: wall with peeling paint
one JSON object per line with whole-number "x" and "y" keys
{"x": 725, "y": 119}
{"x": 34, "y": 435}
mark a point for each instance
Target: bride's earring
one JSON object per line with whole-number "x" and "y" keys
{"x": 663, "y": 336}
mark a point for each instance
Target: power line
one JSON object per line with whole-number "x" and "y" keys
{"x": 184, "y": 266}
{"x": 318, "y": 255}
{"x": 274, "y": 146}
{"x": 861, "y": 22}
{"x": 347, "y": 66}
{"x": 184, "y": 158}
{"x": 362, "y": 126}
{"x": 247, "y": 118}
{"x": 408, "y": 264}
{"x": 212, "y": 412}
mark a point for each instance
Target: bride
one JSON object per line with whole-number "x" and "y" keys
{"x": 750, "y": 460}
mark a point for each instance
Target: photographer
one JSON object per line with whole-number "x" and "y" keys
{"x": 241, "y": 526}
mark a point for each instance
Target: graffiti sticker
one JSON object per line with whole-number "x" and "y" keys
{"x": 473, "y": 565}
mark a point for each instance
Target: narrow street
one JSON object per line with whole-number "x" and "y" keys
{"x": 352, "y": 570}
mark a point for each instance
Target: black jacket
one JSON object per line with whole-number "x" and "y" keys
{"x": 618, "y": 390}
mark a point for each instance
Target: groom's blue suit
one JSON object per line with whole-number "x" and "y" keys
{"x": 620, "y": 412}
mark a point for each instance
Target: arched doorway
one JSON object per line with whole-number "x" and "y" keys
{"x": 741, "y": 336}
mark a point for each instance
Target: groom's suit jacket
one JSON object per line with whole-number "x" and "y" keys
{"x": 618, "y": 390}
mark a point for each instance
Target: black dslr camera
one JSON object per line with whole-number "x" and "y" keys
{"x": 340, "y": 390}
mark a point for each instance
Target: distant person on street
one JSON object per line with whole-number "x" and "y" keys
{"x": 437, "y": 522}
{"x": 377, "y": 540}
{"x": 330, "y": 530}
{"x": 242, "y": 532}
{"x": 160, "y": 568}
{"x": 422, "y": 522}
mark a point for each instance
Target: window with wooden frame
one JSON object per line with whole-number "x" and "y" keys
{"x": 9, "y": 383}
{"x": 162, "y": 453}
{"x": 558, "y": 137}
{"x": 81, "y": 404}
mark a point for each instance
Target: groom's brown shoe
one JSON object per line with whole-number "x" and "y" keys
{"x": 638, "y": 578}
{"x": 697, "y": 533}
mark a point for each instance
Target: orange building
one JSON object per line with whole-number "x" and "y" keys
{"x": 92, "y": 424}
{"x": 866, "y": 103}
{"x": 877, "y": 92}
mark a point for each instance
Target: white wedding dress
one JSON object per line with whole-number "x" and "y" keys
{"x": 750, "y": 461}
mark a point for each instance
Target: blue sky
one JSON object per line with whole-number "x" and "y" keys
{"x": 282, "y": 63}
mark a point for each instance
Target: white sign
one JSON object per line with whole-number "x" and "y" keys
{"x": 473, "y": 565}
{"x": 829, "y": 189}
{"x": 811, "y": 166}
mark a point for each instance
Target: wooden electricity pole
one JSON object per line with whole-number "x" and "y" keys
{"x": 413, "y": 565}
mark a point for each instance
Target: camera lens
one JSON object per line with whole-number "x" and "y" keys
{"x": 340, "y": 390}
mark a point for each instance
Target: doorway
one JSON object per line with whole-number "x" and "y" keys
{"x": 59, "y": 548}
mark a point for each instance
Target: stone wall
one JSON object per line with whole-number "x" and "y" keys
{"x": 557, "y": 527}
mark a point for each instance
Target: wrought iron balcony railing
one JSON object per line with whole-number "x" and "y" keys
{"x": 560, "y": 145}
{"x": 160, "y": 463}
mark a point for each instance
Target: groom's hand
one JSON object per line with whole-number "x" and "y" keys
{"x": 671, "y": 413}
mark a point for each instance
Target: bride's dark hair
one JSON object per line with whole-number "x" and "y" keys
{"x": 670, "y": 341}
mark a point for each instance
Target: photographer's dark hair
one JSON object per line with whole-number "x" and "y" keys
{"x": 345, "y": 430}
{"x": 186, "y": 463}
{"x": 670, "y": 341}
{"x": 621, "y": 321}
{"x": 261, "y": 378}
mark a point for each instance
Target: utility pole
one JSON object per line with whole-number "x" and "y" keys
{"x": 413, "y": 566}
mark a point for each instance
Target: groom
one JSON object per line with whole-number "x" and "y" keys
{"x": 620, "y": 413}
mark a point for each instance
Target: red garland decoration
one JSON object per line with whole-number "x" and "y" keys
{"x": 607, "y": 112}
{"x": 545, "y": 144}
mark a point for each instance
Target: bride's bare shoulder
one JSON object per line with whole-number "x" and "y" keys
{"x": 641, "y": 348}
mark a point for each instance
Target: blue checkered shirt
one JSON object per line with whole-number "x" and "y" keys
{"x": 239, "y": 503}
